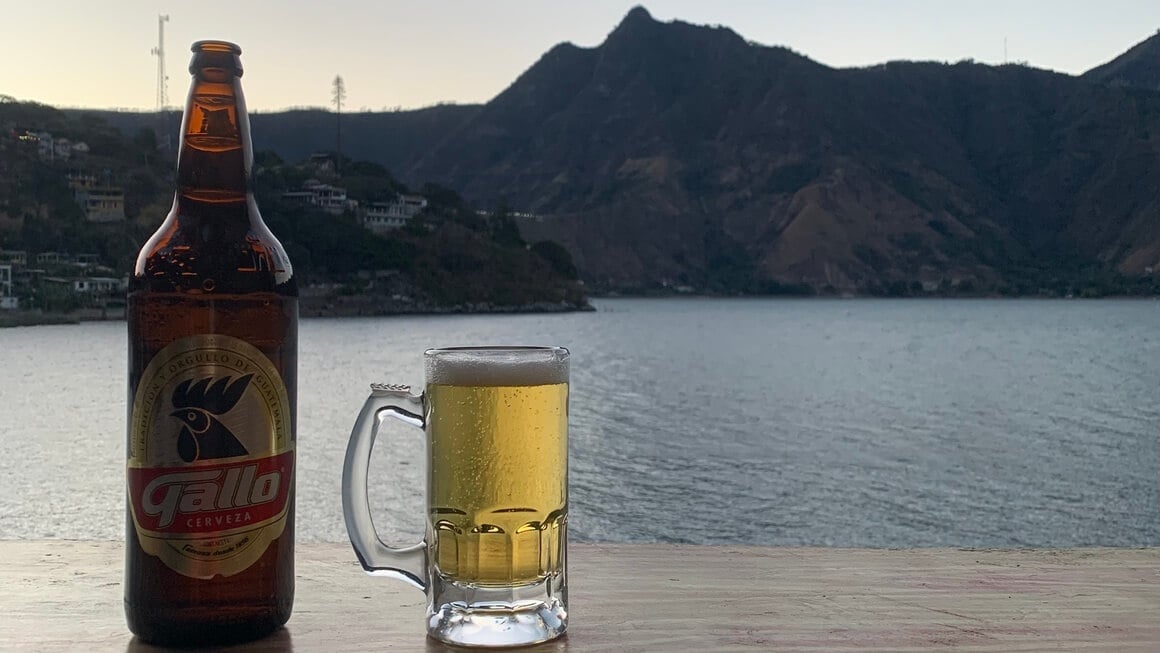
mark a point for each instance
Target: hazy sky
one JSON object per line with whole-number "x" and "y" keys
{"x": 411, "y": 53}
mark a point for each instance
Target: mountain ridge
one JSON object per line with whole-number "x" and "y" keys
{"x": 681, "y": 155}
{"x": 1139, "y": 67}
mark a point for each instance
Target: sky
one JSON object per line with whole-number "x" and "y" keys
{"x": 414, "y": 53}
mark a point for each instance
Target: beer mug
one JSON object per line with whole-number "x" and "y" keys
{"x": 493, "y": 562}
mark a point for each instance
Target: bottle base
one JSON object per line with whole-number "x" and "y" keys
{"x": 203, "y": 626}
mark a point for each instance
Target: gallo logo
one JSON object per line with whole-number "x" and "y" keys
{"x": 210, "y": 499}
{"x": 192, "y": 492}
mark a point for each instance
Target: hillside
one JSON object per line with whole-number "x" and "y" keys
{"x": 445, "y": 258}
{"x": 680, "y": 153}
{"x": 675, "y": 155}
{"x": 1139, "y": 67}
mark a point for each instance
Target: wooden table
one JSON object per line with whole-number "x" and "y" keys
{"x": 66, "y": 596}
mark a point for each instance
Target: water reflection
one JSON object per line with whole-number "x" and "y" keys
{"x": 833, "y": 423}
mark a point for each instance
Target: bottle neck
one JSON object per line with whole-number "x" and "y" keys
{"x": 215, "y": 160}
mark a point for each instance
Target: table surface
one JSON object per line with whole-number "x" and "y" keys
{"x": 66, "y": 596}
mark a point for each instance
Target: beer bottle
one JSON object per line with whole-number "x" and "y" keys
{"x": 213, "y": 332}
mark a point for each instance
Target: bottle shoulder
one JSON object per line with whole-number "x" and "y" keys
{"x": 224, "y": 248}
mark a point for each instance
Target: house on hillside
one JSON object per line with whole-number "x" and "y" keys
{"x": 61, "y": 149}
{"x": 52, "y": 258}
{"x": 323, "y": 162}
{"x": 103, "y": 204}
{"x": 100, "y": 285}
{"x": 44, "y": 144}
{"x": 8, "y": 301}
{"x": 380, "y": 217}
{"x": 14, "y": 257}
{"x": 331, "y": 199}
{"x": 55, "y": 149}
{"x": 80, "y": 181}
{"x": 90, "y": 285}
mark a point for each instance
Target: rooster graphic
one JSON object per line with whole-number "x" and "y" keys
{"x": 202, "y": 435}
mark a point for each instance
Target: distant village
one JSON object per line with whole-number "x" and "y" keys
{"x": 378, "y": 217}
{"x": 48, "y": 280}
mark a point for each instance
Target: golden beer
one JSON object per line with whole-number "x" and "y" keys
{"x": 494, "y": 561}
{"x": 498, "y": 477}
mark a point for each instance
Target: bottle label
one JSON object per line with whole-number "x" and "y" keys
{"x": 211, "y": 456}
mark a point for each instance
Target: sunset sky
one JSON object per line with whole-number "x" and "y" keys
{"x": 407, "y": 53}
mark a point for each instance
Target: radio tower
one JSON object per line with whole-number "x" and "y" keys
{"x": 159, "y": 52}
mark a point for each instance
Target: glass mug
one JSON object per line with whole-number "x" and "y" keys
{"x": 493, "y": 562}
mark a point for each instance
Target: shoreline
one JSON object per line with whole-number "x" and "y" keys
{"x": 311, "y": 308}
{"x": 308, "y": 309}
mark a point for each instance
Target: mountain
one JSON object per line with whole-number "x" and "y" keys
{"x": 1139, "y": 67}
{"x": 675, "y": 155}
{"x": 683, "y": 154}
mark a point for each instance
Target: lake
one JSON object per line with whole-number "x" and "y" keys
{"x": 875, "y": 423}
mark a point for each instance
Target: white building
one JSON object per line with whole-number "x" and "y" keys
{"x": 44, "y": 144}
{"x": 90, "y": 285}
{"x": 98, "y": 285}
{"x": 81, "y": 182}
{"x": 103, "y": 204}
{"x": 384, "y": 216}
{"x": 331, "y": 199}
{"x": 62, "y": 148}
{"x": 55, "y": 149}
{"x": 14, "y": 256}
{"x": 50, "y": 258}
{"x": 7, "y": 300}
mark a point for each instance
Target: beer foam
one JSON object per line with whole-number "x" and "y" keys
{"x": 497, "y": 366}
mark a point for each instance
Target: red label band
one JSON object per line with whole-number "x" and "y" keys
{"x": 208, "y": 499}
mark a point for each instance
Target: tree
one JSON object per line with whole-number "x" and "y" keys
{"x": 338, "y": 95}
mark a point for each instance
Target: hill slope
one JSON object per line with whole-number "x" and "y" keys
{"x": 1139, "y": 67}
{"x": 682, "y": 155}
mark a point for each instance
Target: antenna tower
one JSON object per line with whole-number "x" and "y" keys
{"x": 159, "y": 52}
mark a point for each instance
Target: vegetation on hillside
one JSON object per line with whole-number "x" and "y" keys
{"x": 680, "y": 158}
{"x": 452, "y": 255}
{"x": 446, "y": 257}
{"x": 38, "y": 212}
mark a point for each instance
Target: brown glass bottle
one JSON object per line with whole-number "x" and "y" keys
{"x": 213, "y": 315}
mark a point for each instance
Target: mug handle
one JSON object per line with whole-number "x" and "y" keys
{"x": 408, "y": 563}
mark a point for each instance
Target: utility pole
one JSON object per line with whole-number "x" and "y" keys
{"x": 338, "y": 95}
{"x": 159, "y": 52}
{"x": 162, "y": 83}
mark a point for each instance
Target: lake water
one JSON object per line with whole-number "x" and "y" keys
{"x": 781, "y": 422}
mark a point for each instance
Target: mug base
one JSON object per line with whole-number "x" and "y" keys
{"x": 498, "y": 621}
